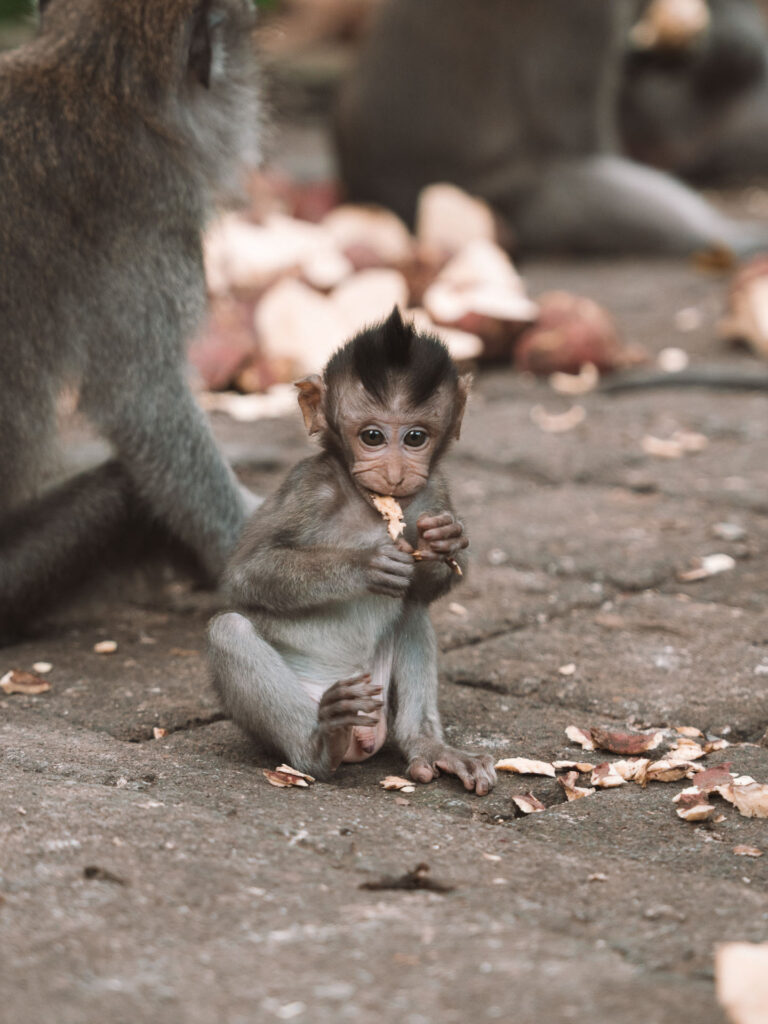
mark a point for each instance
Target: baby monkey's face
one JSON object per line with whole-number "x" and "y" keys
{"x": 389, "y": 454}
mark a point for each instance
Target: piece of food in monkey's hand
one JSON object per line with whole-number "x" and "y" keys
{"x": 389, "y": 509}
{"x": 524, "y": 766}
{"x": 284, "y": 776}
{"x": 23, "y": 682}
{"x": 398, "y": 783}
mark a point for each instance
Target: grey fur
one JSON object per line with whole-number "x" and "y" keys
{"x": 516, "y": 101}
{"x": 111, "y": 158}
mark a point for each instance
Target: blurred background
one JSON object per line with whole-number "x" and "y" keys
{"x": 407, "y": 148}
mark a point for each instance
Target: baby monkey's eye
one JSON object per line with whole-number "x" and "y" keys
{"x": 415, "y": 438}
{"x": 372, "y": 437}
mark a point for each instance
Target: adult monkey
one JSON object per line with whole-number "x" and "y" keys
{"x": 516, "y": 101}
{"x": 120, "y": 123}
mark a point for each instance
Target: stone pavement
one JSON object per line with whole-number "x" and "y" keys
{"x": 148, "y": 879}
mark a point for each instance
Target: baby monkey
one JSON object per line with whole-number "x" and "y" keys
{"x": 332, "y": 645}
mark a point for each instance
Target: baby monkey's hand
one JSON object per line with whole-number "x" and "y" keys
{"x": 440, "y": 536}
{"x": 389, "y": 571}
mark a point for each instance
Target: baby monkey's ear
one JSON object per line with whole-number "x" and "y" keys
{"x": 311, "y": 392}
{"x": 462, "y": 393}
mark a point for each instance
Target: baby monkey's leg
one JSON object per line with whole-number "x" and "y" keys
{"x": 264, "y": 697}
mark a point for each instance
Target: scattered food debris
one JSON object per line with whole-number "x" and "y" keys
{"x": 524, "y": 766}
{"x": 580, "y": 383}
{"x": 105, "y": 647}
{"x": 682, "y": 442}
{"x": 688, "y": 730}
{"x": 572, "y": 330}
{"x": 23, "y": 682}
{"x": 416, "y": 879}
{"x": 284, "y": 776}
{"x": 597, "y": 876}
{"x": 527, "y": 803}
{"x": 579, "y": 766}
{"x": 749, "y": 797}
{"x": 159, "y": 733}
{"x": 447, "y": 219}
{"x": 673, "y": 360}
{"x": 747, "y": 851}
{"x": 567, "y": 670}
{"x": 397, "y": 782}
{"x": 694, "y": 807}
{"x": 741, "y": 981}
{"x": 557, "y": 423}
{"x": 578, "y": 736}
{"x": 457, "y": 609}
{"x": 572, "y": 791}
{"x": 624, "y": 742}
{"x": 669, "y": 770}
{"x": 634, "y": 770}
{"x": 709, "y": 565}
{"x": 605, "y": 776}
{"x": 42, "y": 667}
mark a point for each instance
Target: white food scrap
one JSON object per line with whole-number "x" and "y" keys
{"x": 749, "y": 798}
{"x": 24, "y": 682}
{"x": 557, "y": 423}
{"x": 389, "y": 509}
{"x": 159, "y": 733}
{"x": 578, "y": 736}
{"x": 689, "y": 730}
{"x": 42, "y": 667}
{"x": 284, "y": 776}
{"x": 579, "y": 766}
{"x": 669, "y": 770}
{"x": 695, "y": 809}
{"x": 524, "y": 766}
{"x": 605, "y": 776}
{"x": 572, "y": 791}
{"x": 527, "y": 803}
{"x": 747, "y": 851}
{"x": 709, "y": 565}
{"x": 633, "y": 770}
{"x": 399, "y": 783}
{"x": 105, "y": 647}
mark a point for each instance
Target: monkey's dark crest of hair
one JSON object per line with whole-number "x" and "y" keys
{"x": 391, "y": 353}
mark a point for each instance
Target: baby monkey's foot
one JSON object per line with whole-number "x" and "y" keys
{"x": 349, "y": 704}
{"x": 476, "y": 771}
